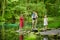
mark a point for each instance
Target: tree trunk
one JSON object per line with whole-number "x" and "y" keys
{"x": 3, "y": 11}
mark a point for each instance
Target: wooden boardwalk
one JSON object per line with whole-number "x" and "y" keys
{"x": 51, "y": 32}
{"x": 47, "y": 32}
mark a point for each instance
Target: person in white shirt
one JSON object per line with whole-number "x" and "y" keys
{"x": 45, "y": 21}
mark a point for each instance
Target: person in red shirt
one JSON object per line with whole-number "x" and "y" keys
{"x": 21, "y": 26}
{"x": 21, "y": 21}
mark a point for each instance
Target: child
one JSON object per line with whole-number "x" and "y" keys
{"x": 45, "y": 21}
{"x": 21, "y": 21}
{"x": 34, "y": 19}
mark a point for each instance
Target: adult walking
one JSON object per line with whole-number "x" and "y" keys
{"x": 34, "y": 19}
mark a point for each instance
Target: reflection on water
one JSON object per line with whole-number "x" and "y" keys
{"x": 11, "y": 34}
{"x": 21, "y": 37}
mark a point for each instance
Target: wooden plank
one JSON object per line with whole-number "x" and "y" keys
{"x": 51, "y": 32}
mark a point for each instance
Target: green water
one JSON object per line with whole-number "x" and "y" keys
{"x": 9, "y": 33}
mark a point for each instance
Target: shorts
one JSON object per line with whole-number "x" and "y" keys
{"x": 34, "y": 18}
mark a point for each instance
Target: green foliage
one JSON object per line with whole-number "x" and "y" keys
{"x": 11, "y": 35}
{"x": 17, "y": 7}
{"x": 31, "y": 36}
